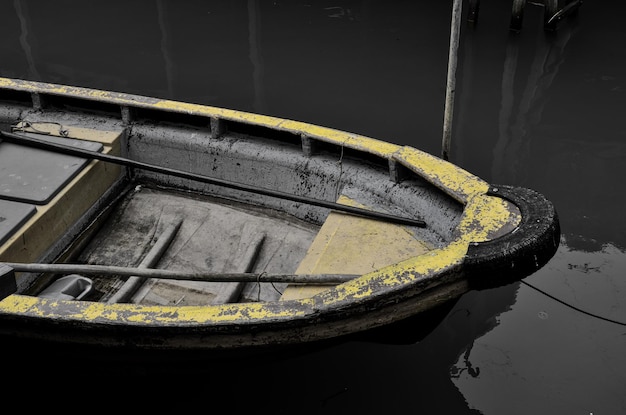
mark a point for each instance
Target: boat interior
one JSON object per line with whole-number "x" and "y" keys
{"x": 60, "y": 208}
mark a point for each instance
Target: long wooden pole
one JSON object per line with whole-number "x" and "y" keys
{"x": 109, "y": 270}
{"x": 75, "y": 151}
{"x": 455, "y": 29}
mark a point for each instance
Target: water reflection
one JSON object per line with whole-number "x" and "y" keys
{"x": 165, "y": 48}
{"x": 538, "y": 335}
{"x": 21, "y": 12}
{"x": 254, "y": 23}
{"x": 521, "y": 113}
{"x": 537, "y": 354}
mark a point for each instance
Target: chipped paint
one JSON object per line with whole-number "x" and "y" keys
{"x": 150, "y": 315}
{"x": 453, "y": 180}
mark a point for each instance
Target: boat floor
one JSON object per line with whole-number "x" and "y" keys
{"x": 214, "y": 236}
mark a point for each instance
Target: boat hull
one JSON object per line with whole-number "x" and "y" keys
{"x": 476, "y": 235}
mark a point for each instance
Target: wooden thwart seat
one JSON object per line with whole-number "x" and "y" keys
{"x": 348, "y": 244}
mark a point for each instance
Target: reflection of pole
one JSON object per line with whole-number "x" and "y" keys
{"x": 164, "y": 48}
{"x": 259, "y": 104}
{"x": 451, "y": 83}
{"x": 515, "y": 128}
{"x": 506, "y": 109}
{"x": 21, "y": 15}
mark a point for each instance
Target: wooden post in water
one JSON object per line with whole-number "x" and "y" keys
{"x": 551, "y": 7}
{"x": 553, "y": 14}
{"x": 455, "y": 28}
{"x": 517, "y": 15}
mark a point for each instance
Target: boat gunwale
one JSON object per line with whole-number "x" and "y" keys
{"x": 460, "y": 188}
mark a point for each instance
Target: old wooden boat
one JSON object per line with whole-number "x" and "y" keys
{"x": 136, "y": 222}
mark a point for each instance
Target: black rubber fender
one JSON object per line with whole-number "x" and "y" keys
{"x": 521, "y": 252}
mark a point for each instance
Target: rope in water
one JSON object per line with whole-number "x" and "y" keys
{"x": 573, "y": 307}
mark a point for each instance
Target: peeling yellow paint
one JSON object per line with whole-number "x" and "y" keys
{"x": 143, "y": 314}
{"x": 486, "y": 216}
{"x": 348, "y": 244}
{"x": 453, "y": 180}
{"x": 323, "y": 133}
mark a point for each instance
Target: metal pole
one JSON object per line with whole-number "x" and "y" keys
{"x": 455, "y": 29}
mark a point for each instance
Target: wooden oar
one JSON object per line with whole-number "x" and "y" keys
{"x": 109, "y": 270}
{"x": 74, "y": 151}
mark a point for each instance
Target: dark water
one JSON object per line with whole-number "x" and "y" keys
{"x": 532, "y": 109}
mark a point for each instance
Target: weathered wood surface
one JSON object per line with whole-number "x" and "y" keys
{"x": 213, "y": 237}
{"x": 351, "y": 245}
